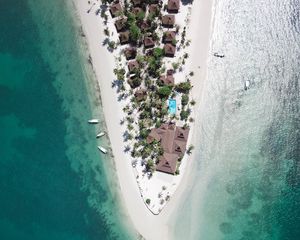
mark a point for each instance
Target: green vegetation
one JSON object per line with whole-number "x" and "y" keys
{"x": 111, "y": 45}
{"x": 154, "y": 62}
{"x": 144, "y": 133}
{"x": 158, "y": 53}
{"x": 184, "y": 114}
{"x": 135, "y": 32}
{"x": 175, "y": 66}
{"x": 130, "y": 19}
{"x": 146, "y": 95}
{"x": 150, "y": 165}
{"x": 140, "y": 59}
{"x": 153, "y": 66}
{"x": 148, "y": 201}
{"x": 183, "y": 87}
{"x": 135, "y": 82}
{"x": 184, "y": 99}
{"x": 189, "y": 150}
{"x": 164, "y": 91}
{"x": 120, "y": 73}
{"x": 140, "y": 16}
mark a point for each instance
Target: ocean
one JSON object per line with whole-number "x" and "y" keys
{"x": 56, "y": 185}
{"x": 54, "y": 182}
{"x": 246, "y": 176}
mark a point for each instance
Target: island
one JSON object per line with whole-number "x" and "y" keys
{"x": 150, "y": 76}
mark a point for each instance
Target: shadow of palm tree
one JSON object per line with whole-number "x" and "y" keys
{"x": 127, "y": 149}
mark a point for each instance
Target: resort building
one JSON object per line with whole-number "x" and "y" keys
{"x": 144, "y": 26}
{"x": 121, "y": 24}
{"x": 173, "y": 140}
{"x": 168, "y": 21}
{"x": 137, "y": 10}
{"x": 169, "y": 37}
{"x": 115, "y": 10}
{"x": 153, "y": 9}
{"x": 167, "y": 80}
{"x": 130, "y": 53}
{"x": 173, "y": 6}
{"x": 140, "y": 94}
{"x": 167, "y": 163}
{"x": 170, "y": 71}
{"x": 169, "y": 50}
{"x": 149, "y": 42}
{"x": 133, "y": 66}
{"x": 124, "y": 37}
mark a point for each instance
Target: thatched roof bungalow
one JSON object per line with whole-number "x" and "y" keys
{"x": 130, "y": 53}
{"x": 169, "y": 50}
{"x": 124, "y": 37}
{"x": 115, "y": 10}
{"x": 133, "y": 66}
{"x": 120, "y": 24}
{"x": 169, "y": 37}
{"x": 173, "y": 6}
{"x": 149, "y": 42}
{"x": 168, "y": 21}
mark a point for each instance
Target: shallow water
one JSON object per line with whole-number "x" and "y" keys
{"x": 246, "y": 176}
{"x": 54, "y": 182}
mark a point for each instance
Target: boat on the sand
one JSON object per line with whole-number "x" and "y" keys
{"x": 102, "y": 149}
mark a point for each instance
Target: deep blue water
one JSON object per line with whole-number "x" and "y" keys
{"x": 52, "y": 180}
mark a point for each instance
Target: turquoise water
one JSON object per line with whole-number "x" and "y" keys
{"x": 172, "y": 106}
{"x": 246, "y": 174}
{"x": 54, "y": 183}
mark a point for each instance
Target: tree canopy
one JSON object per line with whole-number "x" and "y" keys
{"x": 135, "y": 32}
{"x": 164, "y": 91}
{"x": 183, "y": 87}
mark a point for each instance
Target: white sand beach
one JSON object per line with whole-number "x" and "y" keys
{"x": 198, "y": 30}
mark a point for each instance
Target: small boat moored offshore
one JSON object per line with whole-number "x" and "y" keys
{"x": 100, "y": 134}
{"x": 93, "y": 121}
{"x": 219, "y": 55}
{"x": 102, "y": 149}
{"x": 247, "y": 85}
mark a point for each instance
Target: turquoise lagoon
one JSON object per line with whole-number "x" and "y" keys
{"x": 54, "y": 182}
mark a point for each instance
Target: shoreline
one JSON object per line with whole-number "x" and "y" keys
{"x": 93, "y": 31}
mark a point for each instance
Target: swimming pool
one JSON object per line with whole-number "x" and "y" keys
{"x": 172, "y": 106}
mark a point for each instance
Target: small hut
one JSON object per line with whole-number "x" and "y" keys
{"x": 124, "y": 37}
{"x": 115, "y": 10}
{"x": 173, "y": 6}
{"x": 169, "y": 50}
{"x": 168, "y": 21}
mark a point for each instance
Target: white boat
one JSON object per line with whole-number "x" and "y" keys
{"x": 247, "y": 85}
{"x": 93, "y": 121}
{"x": 100, "y": 134}
{"x": 102, "y": 149}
